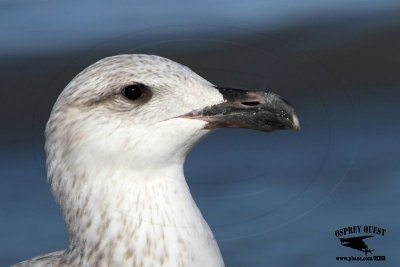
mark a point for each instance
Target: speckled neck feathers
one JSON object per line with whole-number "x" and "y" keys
{"x": 117, "y": 222}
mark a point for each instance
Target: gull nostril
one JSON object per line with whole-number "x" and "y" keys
{"x": 250, "y": 103}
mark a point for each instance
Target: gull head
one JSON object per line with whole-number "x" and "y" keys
{"x": 130, "y": 110}
{"x": 138, "y": 116}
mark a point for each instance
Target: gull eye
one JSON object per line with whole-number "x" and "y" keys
{"x": 133, "y": 91}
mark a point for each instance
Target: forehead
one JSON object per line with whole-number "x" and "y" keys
{"x": 109, "y": 75}
{"x": 124, "y": 69}
{"x": 147, "y": 69}
{"x": 144, "y": 62}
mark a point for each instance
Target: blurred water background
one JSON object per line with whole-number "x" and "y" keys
{"x": 271, "y": 199}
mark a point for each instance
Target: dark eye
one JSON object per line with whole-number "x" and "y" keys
{"x": 133, "y": 91}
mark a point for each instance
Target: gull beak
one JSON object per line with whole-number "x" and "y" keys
{"x": 258, "y": 110}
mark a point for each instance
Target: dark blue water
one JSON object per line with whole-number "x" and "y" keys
{"x": 46, "y": 27}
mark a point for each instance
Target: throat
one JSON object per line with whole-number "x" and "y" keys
{"x": 124, "y": 220}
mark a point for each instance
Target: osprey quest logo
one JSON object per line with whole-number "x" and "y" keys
{"x": 360, "y": 238}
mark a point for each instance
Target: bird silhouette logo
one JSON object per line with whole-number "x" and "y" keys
{"x": 357, "y": 243}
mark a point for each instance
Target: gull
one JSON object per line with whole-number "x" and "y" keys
{"x": 116, "y": 143}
